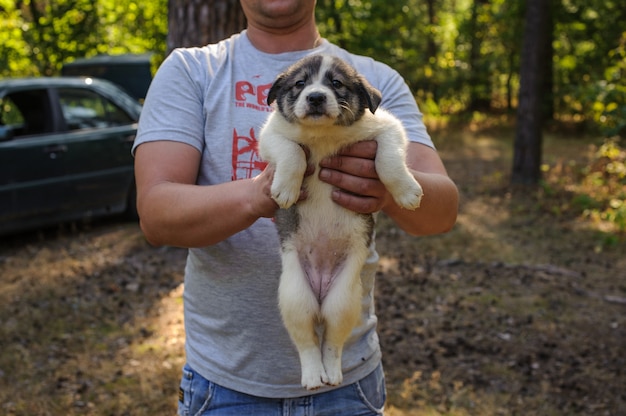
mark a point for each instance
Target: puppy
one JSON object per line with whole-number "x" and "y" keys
{"x": 324, "y": 105}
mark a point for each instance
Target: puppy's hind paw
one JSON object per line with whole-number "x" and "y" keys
{"x": 335, "y": 377}
{"x": 313, "y": 380}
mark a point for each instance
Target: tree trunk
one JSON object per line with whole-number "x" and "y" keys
{"x": 200, "y": 22}
{"x": 548, "y": 80}
{"x": 479, "y": 84}
{"x": 528, "y": 137}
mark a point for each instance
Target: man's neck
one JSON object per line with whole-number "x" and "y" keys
{"x": 273, "y": 41}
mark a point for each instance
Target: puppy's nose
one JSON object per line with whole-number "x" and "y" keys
{"x": 316, "y": 98}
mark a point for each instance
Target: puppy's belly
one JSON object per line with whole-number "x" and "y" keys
{"x": 322, "y": 260}
{"x": 327, "y": 234}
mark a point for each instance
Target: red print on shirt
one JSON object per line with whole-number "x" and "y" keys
{"x": 246, "y": 161}
{"x": 252, "y": 96}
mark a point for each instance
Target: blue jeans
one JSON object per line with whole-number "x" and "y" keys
{"x": 202, "y": 397}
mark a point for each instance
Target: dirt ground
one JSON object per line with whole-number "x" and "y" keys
{"x": 515, "y": 312}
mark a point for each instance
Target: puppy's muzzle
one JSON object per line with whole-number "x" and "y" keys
{"x": 316, "y": 103}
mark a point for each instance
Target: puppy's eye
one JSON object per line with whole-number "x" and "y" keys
{"x": 337, "y": 83}
{"x": 299, "y": 84}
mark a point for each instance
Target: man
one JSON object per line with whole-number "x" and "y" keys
{"x": 201, "y": 185}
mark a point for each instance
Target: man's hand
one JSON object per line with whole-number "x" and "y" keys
{"x": 352, "y": 171}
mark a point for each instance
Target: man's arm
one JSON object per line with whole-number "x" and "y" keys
{"x": 353, "y": 172}
{"x": 174, "y": 211}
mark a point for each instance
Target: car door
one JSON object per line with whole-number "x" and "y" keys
{"x": 98, "y": 161}
{"x": 32, "y": 175}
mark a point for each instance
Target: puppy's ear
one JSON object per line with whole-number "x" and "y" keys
{"x": 369, "y": 94}
{"x": 276, "y": 86}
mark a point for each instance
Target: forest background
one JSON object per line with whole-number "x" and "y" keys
{"x": 463, "y": 59}
{"x": 458, "y": 56}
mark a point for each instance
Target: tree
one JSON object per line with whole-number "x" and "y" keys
{"x": 54, "y": 29}
{"x": 38, "y": 36}
{"x": 479, "y": 86}
{"x": 200, "y": 22}
{"x": 528, "y": 137}
{"x": 456, "y": 55}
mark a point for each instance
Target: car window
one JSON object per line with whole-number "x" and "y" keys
{"x": 27, "y": 112}
{"x": 10, "y": 114}
{"x": 85, "y": 109}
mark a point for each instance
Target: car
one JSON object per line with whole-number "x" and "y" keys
{"x": 132, "y": 72}
{"x": 65, "y": 151}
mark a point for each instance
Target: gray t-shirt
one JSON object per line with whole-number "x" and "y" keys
{"x": 214, "y": 99}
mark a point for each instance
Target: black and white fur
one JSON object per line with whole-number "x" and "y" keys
{"x": 324, "y": 104}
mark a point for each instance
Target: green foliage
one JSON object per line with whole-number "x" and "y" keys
{"x": 606, "y": 181}
{"x": 56, "y": 30}
{"x": 454, "y": 54}
{"x": 13, "y": 59}
{"x": 594, "y": 190}
{"x": 38, "y": 36}
{"x": 611, "y": 103}
{"x": 591, "y": 62}
{"x": 445, "y": 49}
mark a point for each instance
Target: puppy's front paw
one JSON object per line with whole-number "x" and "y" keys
{"x": 285, "y": 191}
{"x": 285, "y": 194}
{"x": 409, "y": 195}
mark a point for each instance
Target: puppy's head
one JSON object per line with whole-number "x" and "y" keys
{"x": 323, "y": 89}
